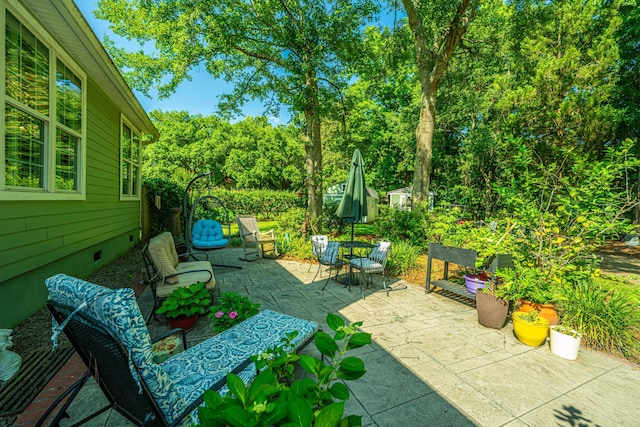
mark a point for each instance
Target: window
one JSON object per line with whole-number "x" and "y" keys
{"x": 130, "y": 151}
{"x": 44, "y": 104}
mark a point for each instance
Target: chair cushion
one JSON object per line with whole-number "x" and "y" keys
{"x": 207, "y": 234}
{"x": 201, "y": 366}
{"x": 186, "y": 279}
{"x": 118, "y": 311}
{"x": 367, "y": 265}
{"x": 162, "y": 252}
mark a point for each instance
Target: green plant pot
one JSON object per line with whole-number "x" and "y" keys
{"x": 530, "y": 333}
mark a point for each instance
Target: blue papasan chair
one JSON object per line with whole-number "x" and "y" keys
{"x": 207, "y": 234}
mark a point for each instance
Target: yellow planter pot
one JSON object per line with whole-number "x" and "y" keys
{"x": 530, "y": 333}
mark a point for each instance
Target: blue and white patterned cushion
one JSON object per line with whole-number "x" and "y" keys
{"x": 376, "y": 261}
{"x": 183, "y": 378}
{"x": 118, "y": 311}
{"x": 198, "y": 367}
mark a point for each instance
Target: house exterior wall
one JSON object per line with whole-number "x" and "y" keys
{"x": 76, "y": 237}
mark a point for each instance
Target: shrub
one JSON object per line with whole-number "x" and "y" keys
{"x": 609, "y": 319}
{"x": 232, "y": 309}
{"x": 274, "y": 398}
{"x": 403, "y": 258}
{"x": 331, "y": 222}
{"x": 171, "y": 197}
{"x": 398, "y": 225}
{"x": 294, "y": 246}
{"x": 292, "y": 221}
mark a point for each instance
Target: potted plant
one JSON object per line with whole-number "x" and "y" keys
{"x": 530, "y": 328}
{"x": 183, "y": 306}
{"x": 492, "y": 308}
{"x": 475, "y": 281}
{"x": 530, "y": 287}
{"x": 564, "y": 341}
{"x": 233, "y": 309}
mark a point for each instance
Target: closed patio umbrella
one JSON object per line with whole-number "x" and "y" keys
{"x": 353, "y": 205}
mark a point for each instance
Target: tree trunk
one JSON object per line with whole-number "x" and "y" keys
{"x": 432, "y": 58}
{"x": 313, "y": 149}
{"x": 424, "y": 146}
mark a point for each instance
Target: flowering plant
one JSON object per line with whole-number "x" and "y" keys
{"x": 233, "y": 309}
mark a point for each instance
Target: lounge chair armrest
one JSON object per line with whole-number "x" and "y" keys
{"x": 191, "y": 271}
{"x": 192, "y": 254}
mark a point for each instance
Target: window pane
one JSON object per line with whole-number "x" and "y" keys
{"x": 68, "y": 97}
{"x": 136, "y": 148}
{"x": 126, "y": 142}
{"x": 24, "y": 149}
{"x": 126, "y": 167}
{"x": 66, "y": 161}
{"x": 26, "y": 67}
{"x": 135, "y": 176}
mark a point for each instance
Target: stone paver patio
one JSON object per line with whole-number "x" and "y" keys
{"x": 431, "y": 363}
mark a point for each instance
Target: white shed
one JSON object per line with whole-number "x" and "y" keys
{"x": 401, "y": 198}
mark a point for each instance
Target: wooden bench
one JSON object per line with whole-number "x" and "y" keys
{"x": 463, "y": 258}
{"x": 450, "y": 254}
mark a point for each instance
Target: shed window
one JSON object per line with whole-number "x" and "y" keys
{"x": 43, "y": 117}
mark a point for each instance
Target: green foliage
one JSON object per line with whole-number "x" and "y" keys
{"x": 532, "y": 317}
{"x": 292, "y": 221}
{"x": 402, "y": 258}
{"x": 529, "y": 283}
{"x": 275, "y": 398}
{"x": 186, "y": 301}
{"x": 400, "y": 225}
{"x": 332, "y": 223}
{"x": 609, "y": 319}
{"x": 295, "y": 246}
{"x": 170, "y": 197}
{"x": 265, "y": 204}
{"x": 232, "y": 309}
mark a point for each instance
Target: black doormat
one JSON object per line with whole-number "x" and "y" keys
{"x": 34, "y": 374}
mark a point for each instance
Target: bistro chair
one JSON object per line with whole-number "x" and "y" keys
{"x": 330, "y": 258}
{"x": 375, "y": 263}
{"x": 318, "y": 245}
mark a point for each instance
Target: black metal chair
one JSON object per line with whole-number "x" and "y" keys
{"x": 108, "y": 362}
{"x": 330, "y": 258}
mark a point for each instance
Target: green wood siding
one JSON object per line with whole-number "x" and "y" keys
{"x": 40, "y": 238}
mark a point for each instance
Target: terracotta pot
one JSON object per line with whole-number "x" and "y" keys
{"x": 492, "y": 311}
{"x": 531, "y": 334}
{"x": 183, "y": 322}
{"x": 548, "y": 311}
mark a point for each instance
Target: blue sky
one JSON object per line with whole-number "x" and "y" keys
{"x": 198, "y": 96}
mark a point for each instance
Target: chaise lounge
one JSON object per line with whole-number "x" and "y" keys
{"x": 107, "y": 330}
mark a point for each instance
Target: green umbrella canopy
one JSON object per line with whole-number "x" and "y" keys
{"x": 353, "y": 206}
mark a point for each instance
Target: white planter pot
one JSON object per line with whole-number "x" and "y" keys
{"x": 563, "y": 345}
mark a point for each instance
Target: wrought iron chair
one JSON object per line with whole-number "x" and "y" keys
{"x": 254, "y": 241}
{"x": 331, "y": 258}
{"x": 318, "y": 245}
{"x": 107, "y": 330}
{"x": 375, "y": 263}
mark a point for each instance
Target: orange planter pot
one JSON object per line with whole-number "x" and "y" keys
{"x": 548, "y": 311}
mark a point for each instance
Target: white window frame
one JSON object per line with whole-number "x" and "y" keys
{"x": 49, "y": 192}
{"x": 134, "y": 162}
